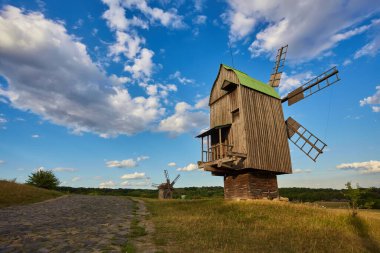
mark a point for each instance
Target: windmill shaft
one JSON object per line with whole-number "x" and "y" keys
{"x": 317, "y": 80}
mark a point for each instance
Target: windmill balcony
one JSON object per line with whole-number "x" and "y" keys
{"x": 216, "y": 149}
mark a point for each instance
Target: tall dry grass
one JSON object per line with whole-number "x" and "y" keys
{"x": 260, "y": 226}
{"x": 12, "y": 193}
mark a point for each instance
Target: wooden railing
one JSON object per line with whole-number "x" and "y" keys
{"x": 216, "y": 152}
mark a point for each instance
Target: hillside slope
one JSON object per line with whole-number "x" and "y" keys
{"x": 260, "y": 226}
{"x": 19, "y": 194}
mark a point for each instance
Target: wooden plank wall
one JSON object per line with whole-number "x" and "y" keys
{"x": 220, "y": 112}
{"x": 265, "y": 129}
{"x": 224, "y": 74}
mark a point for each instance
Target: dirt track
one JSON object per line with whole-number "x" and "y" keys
{"x": 75, "y": 223}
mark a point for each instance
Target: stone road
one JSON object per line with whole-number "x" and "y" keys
{"x": 75, "y": 223}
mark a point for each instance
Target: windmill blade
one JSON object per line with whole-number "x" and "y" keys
{"x": 167, "y": 176}
{"x": 175, "y": 180}
{"x": 316, "y": 84}
{"x": 304, "y": 140}
{"x": 155, "y": 185}
{"x": 275, "y": 76}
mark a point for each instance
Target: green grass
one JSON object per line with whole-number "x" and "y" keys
{"x": 261, "y": 226}
{"x": 12, "y": 193}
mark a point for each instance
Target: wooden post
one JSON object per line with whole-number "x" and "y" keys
{"x": 208, "y": 150}
{"x": 220, "y": 143}
{"x": 202, "y": 149}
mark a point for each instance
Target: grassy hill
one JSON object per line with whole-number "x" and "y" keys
{"x": 261, "y": 226}
{"x": 12, "y": 193}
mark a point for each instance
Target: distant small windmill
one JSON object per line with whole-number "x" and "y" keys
{"x": 165, "y": 190}
{"x": 247, "y": 142}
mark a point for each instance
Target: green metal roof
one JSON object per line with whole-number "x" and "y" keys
{"x": 252, "y": 83}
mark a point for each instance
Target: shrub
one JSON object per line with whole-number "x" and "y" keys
{"x": 43, "y": 179}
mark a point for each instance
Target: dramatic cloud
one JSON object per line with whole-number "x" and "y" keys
{"x": 135, "y": 175}
{"x": 172, "y": 164}
{"x": 372, "y": 100}
{"x": 59, "y": 169}
{"x": 50, "y": 73}
{"x": 128, "y": 43}
{"x": 189, "y": 167}
{"x": 361, "y": 167}
{"x": 310, "y": 27}
{"x": 184, "y": 119}
{"x": 107, "y": 184}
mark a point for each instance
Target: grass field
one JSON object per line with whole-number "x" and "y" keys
{"x": 19, "y": 194}
{"x": 261, "y": 226}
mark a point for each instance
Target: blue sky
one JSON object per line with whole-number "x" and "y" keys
{"x": 110, "y": 93}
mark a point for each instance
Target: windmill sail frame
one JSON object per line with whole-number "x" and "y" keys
{"x": 304, "y": 139}
{"x": 275, "y": 76}
{"x": 314, "y": 85}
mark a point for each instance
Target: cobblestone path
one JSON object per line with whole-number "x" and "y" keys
{"x": 76, "y": 223}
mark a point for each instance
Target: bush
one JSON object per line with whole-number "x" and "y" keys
{"x": 43, "y": 179}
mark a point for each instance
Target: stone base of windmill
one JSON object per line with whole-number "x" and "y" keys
{"x": 251, "y": 185}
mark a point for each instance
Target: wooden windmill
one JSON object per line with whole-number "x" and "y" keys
{"x": 247, "y": 142}
{"x": 165, "y": 190}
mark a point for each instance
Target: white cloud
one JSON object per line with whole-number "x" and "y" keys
{"x": 301, "y": 171}
{"x": 142, "y": 158}
{"x": 75, "y": 179}
{"x": 289, "y": 83}
{"x": 372, "y": 100}
{"x": 60, "y": 169}
{"x": 142, "y": 66}
{"x": 198, "y": 5}
{"x": 310, "y": 27}
{"x": 172, "y": 164}
{"x": 3, "y": 120}
{"x": 127, "y": 44}
{"x": 370, "y": 49}
{"x": 129, "y": 163}
{"x": 35, "y": 136}
{"x": 189, "y": 167}
{"x": 361, "y": 167}
{"x": 107, "y": 184}
{"x": 115, "y": 16}
{"x": 184, "y": 119}
{"x": 2, "y": 162}
{"x": 202, "y": 103}
{"x": 166, "y": 18}
{"x": 200, "y": 20}
{"x": 51, "y": 74}
{"x": 177, "y": 75}
{"x": 347, "y": 62}
{"x": 136, "y": 183}
{"x": 132, "y": 176}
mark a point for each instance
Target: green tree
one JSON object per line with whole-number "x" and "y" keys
{"x": 43, "y": 179}
{"x": 354, "y": 197}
